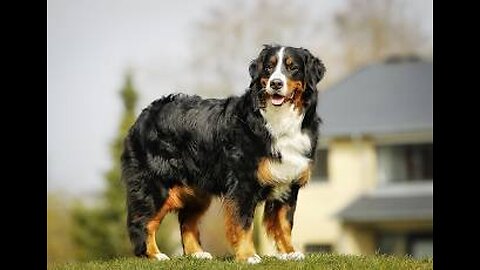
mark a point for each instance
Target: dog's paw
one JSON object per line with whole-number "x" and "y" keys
{"x": 254, "y": 259}
{"x": 293, "y": 256}
{"x": 282, "y": 256}
{"x": 296, "y": 256}
{"x": 202, "y": 255}
{"x": 160, "y": 257}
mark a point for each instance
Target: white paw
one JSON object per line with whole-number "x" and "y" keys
{"x": 295, "y": 256}
{"x": 202, "y": 255}
{"x": 282, "y": 256}
{"x": 254, "y": 259}
{"x": 161, "y": 257}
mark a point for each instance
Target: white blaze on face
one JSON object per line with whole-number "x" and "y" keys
{"x": 277, "y": 74}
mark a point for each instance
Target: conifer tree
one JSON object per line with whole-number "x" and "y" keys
{"x": 100, "y": 232}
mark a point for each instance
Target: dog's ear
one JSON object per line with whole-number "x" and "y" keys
{"x": 256, "y": 65}
{"x": 253, "y": 69}
{"x": 314, "y": 70}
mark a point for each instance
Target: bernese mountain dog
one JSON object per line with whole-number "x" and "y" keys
{"x": 260, "y": 146}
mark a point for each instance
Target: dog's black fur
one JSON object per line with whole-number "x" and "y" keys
{"x": 214, "y": 145}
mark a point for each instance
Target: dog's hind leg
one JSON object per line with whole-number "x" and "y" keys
{"x": 190, "y": 209}
{"x": 146, "y": 209}
{"x": 188, "y": 218}
{"x": 152, "y": 250}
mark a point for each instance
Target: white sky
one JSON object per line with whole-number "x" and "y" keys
{"x": 90, "y": 45}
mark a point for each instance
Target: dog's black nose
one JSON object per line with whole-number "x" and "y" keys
{"x": 276, "y": 84}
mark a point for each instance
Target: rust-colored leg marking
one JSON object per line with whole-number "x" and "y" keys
{"x": 241, "y": 239}
{"x": 173, "y": 202}
{"x": 264, "y": 175}
{"x": 278, "y": 226}
{"x": 265, "y": 178}
{"x": 305, "y": 176}
{"x": 152, "y": 227}
{"x": 188, "y": 218}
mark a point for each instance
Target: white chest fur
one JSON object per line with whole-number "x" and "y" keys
{"x": 284, "y": 124}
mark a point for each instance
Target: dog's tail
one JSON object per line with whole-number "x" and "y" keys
{"x": 137, "y": 233}
{"x": 144, "y": 196}
{"x": 143, "y": 203}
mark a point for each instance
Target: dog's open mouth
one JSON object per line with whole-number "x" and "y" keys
{"x": 277, "y": 100}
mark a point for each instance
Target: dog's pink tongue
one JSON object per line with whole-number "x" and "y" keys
{"x": 277, "y": 100}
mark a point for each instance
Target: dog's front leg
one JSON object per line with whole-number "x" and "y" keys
{"x": 239, "y": 229}
{"x": 278, "y": 220}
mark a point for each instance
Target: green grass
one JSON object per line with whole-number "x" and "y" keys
{"x": 315, "y": 261}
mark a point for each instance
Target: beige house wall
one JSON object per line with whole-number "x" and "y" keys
{"x": 352, "y": 171}
{"x": 361, "y": 238}
{"x": 356, "y": 240}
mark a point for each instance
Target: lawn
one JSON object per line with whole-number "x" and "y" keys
{"x": 314, "y": 261}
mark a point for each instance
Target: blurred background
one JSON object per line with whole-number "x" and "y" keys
{"x": 372, "y": 188}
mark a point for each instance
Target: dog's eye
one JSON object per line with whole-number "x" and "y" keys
{"x": 268, "y": 68}
{"x": 293, "y": 68}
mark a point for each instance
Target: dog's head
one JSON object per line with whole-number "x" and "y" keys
{"x": 286, "y": 74}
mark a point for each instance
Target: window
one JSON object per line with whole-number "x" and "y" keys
{"x": 320, "y": 168}
{"x": 420, "y": 245}
{"x": 391, "y": 244}
{"x": 318, "y": 248}
{"x": 408, "y": 162}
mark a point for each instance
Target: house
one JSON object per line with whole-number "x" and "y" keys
{"x": 372, "y": 187}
